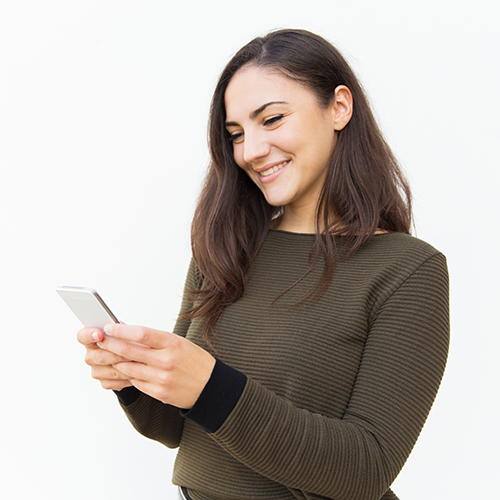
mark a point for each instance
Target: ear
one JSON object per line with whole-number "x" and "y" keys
{"x": 342, "y": 107}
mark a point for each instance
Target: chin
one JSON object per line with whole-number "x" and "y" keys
{"x": 277, "y": 199}
{"x": 276, "y": 203}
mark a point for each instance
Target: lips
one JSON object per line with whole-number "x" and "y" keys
{"x": 273, "y": 169}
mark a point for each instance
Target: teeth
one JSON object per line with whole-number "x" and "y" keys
{"x": 274, "y": 169}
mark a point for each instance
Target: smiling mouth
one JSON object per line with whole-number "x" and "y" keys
{"x": 274, "y": 169}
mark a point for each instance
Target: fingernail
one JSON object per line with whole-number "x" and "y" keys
{"x": 95, "y": 335}
{"x": 99, "y": 344}
{"x": 108, "y": 328}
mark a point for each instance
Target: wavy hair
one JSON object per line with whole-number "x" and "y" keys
{"x": 365, "y": 187}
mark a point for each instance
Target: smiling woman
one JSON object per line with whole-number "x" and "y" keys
{"x": 313, "y": 331}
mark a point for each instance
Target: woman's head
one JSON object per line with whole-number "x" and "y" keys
{"x": 283, "y": 138}
{"x": 363, "y": 179}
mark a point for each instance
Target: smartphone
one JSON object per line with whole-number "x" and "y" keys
{"x": 87, "y": 305}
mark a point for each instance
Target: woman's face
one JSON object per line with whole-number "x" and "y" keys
{"x": 282, "y": 138}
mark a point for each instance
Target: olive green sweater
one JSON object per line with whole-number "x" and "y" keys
{"x": 316, "y": 401}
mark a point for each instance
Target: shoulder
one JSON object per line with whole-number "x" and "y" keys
{"x": 398, "y": 250}
{"x": 386, "y": 262}
{"x": 412, "y": 284}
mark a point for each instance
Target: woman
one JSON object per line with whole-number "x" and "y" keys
{"x": 314, "y": 329}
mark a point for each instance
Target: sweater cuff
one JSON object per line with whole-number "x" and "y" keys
{"x": 218, "y": 398}
{"x": 128, "y": 395}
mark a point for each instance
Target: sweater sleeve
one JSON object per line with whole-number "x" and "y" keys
{"x": 358, "y": 456}
{"x": 151, "y": 417}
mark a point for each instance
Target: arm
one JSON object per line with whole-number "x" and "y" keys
{"x": 358, "y": 456}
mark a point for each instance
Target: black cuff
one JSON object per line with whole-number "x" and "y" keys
{"x": 218, "y": 398}
{"x": 128, "y": 395}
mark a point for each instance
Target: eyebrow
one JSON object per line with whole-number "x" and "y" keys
{"x": 257, "y": 112}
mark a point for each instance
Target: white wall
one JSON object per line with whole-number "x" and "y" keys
{"x": 103, "y": 108}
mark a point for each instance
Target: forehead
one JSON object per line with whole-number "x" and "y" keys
{"x": 251, "y": 87}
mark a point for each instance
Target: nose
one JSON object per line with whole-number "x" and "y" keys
{"x": 255, "y": 146}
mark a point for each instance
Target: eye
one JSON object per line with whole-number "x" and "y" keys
{"x": 273, "y": 120}
{"x": 235, "y": 138}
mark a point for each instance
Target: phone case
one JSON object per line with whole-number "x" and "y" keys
{"x": 87, "y": 305}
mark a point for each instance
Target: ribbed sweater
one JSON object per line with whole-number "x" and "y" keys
{"x": 321, "y": 400}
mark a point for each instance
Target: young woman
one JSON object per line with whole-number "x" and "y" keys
{"x": 314, "y": 329}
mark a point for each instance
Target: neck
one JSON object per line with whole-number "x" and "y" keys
{"x": 296, "y": 221}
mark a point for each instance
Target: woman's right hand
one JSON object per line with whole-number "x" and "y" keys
{"x": 101, "y": 360}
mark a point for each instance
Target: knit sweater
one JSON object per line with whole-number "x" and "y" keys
{"x": 321, "y": 400}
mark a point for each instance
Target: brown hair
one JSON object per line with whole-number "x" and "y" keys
{"x": 365, "y": 187}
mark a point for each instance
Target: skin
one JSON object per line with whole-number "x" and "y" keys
{"x": 272, "y": 120}
{"x": 167, "y": 367}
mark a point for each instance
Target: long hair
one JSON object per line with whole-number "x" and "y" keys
{"x": 364, "y": 188}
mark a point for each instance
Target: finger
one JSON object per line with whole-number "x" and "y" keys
{"x": 128, "y": 350}
{"x": 107, "y": 373}
{"x": 97, "y": 356}
{"x": 141, "y": 371}
{"x": 155, "y": 339}
{"x": 115, "y": 385}
{"x": 87, "y": 336}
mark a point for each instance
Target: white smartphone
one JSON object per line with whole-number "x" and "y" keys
{"x": 88, "y": 307}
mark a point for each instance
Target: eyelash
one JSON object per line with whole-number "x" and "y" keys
{"x": 269, "y": 121}
{"x": 273, "y": 119}
{"x": 234, "y": 137}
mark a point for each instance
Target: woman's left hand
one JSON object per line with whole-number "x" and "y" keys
{"x": 165, "y": 366}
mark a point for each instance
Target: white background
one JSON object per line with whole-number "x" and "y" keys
{"x": 103, "y": 110}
